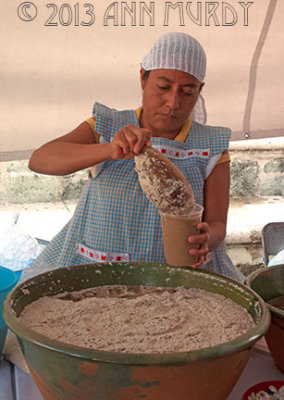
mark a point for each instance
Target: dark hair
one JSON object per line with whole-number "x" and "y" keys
{"x": 146, "y": 75}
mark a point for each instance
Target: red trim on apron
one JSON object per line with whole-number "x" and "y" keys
{"x": 101, "y": 256}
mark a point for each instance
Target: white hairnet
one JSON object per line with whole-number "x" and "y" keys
{"x": 177, "y": 50}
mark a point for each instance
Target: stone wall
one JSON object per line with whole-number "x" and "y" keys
{"x": 257, "y": 169}
{"x": 20, "y": 185}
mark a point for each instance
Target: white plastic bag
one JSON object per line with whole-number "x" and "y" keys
{"x": 278, "y": 259}
{"x": 17, "y": 248}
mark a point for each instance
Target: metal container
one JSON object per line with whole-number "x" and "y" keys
{"x": 65, "y": 372}
{"x": 269, "y": 284}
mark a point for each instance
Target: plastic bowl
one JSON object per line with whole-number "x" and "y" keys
{"x": 8, "y": 280}
{"x": 19, "y": 274}
{"x": 269, "y": 387}
{"x": 269, "y": 284}
{"x": 64, "y": 372}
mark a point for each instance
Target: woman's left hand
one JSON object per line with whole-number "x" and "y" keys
{"x": 201, "y": 242}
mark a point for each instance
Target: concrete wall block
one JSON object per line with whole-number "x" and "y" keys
{"x": 244, "y": 178}
{"x": 276, "y": 165}
{"x": 31, "y": 188}
{"x": 1, "y": 188}
{"x": 272, "y": 186}
{"x": 19, "y": 167}
{"x": 241, "y": 254}
{"x": 71, "y": 186}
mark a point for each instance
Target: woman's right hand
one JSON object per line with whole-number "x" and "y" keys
{"x": 128, "y": 142}
{"x": 78, "y": 149}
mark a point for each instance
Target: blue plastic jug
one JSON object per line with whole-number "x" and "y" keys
{"x": 8, "y": 279}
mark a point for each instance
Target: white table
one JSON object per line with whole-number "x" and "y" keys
{"x": 260, "y": 368}
{"x": 17, "y": 385}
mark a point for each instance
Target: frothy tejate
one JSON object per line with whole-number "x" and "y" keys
{"x": 175, "y": 232}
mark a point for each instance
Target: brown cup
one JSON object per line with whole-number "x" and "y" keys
{"x": 175, "y": 232}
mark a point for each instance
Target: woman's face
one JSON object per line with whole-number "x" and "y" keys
{"x": 168, "y": 99}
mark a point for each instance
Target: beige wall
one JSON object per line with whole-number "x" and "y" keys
{"x": 50, "y": 76}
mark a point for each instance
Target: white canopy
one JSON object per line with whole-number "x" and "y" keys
{"x": 58, "y": 58}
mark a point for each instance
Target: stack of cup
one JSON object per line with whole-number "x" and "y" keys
{"x": 8, "y": 280}
{"x": 175, "y": 232}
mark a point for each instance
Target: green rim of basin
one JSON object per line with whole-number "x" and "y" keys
{"x": 133, "y": 274}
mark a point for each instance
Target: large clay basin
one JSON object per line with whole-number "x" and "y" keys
{"x": 64, "y": 372}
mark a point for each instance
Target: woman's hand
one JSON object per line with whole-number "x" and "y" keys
{"x": 80, "y": 149}
{"x": 201, "y": 242}
{"x": 216, "y": 203}
{"x": 129, "y": 141}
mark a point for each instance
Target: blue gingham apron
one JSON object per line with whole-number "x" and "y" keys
{"x": 113, "y": 220}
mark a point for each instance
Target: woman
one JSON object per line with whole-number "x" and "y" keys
{"x": 113, "y": 220}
